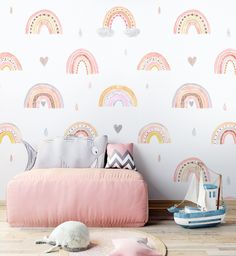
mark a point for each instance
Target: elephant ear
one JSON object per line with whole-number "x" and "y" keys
{"x": 32, "y": 154}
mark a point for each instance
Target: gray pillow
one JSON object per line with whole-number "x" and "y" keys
{"x": 72, "y": 152}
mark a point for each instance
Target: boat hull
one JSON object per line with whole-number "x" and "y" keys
{"x": 199, "y": 219}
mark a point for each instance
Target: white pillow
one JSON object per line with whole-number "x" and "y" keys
{"x": 72, "y": 152}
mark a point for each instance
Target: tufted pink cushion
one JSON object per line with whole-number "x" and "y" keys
{"x": 96, "y": 197}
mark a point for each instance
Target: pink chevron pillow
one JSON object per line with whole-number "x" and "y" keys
{"x": 120, "y": 156}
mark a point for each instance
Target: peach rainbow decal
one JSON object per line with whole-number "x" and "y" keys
{"x": 81, "y": 129}
{"x": 191, "y": 18}
{"x": 125, "y": 15}
{"x": 154, "y": 130}
{"x": 153, "y": 61}
{"x": 11, "y": 131}
{"x": 81, "y": 56}
{"x": 117, "y": 95}
{"x": 222, "y": 131}
{"x": 9, "y": 62}
{"x": 224, "y": 59}
{"x": 190, "y": 95}
{"x": 42, "y": 96}
{"x": 189, "y": 166}
{"x": 43, "y": 18}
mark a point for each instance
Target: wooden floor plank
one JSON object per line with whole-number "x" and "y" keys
{"x": 216, "y": 241}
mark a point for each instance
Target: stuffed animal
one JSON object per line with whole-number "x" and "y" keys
{"x": 71, "y": 235}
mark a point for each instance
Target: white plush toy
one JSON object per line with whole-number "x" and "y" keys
{"x": 70, "y": 235}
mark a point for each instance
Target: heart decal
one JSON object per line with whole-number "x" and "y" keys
{"x": 44, "y": 60}
{"x": 43, "y": 103}
{"x": 117, "y": 127}
{"x": 191, "y": 103}
{"x": 192, "y": 60}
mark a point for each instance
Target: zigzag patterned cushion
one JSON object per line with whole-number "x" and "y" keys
{"x": 120, "y": 156}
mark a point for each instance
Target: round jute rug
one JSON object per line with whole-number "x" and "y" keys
{"x": 101, "y": 242}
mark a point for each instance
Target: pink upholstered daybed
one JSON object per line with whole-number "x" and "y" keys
{"x": 97, "y": 197}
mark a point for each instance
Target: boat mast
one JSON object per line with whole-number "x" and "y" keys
{"x": 219, "y": 191}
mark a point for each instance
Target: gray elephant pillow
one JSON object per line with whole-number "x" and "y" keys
{"x": 72, "y": 152}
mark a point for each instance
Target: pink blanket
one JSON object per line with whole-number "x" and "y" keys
{"x": 97, "y": 197}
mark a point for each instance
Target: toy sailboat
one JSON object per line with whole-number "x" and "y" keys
{"x": 209, "y": 210}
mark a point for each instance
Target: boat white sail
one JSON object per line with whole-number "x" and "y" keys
{"x": 208, "y": 212}
{"x": 202, "y": 193}
{"x": 193, "y": 190}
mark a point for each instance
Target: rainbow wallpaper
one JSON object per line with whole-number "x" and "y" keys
{"x": 159, "y": 74}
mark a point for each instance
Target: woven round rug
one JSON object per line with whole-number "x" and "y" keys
{"x": 101, "y": 242}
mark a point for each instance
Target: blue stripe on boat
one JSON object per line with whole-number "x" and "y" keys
{"x": 202, "y": 221}
{"x": 201, "y": 225}
{"x": 199, "y": 214}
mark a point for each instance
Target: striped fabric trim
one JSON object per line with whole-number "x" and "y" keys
{"x": 120, "y": 161}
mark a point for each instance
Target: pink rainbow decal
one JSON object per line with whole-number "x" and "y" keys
{"x": 9, "y": 62}
{"x": 121, "y": 12}
{"x": 43, "y": 18}
{"x": 11, "y": 131}
{"x": 223, "y": 59}
{"x": 189, "y": 166}
{"x": 81, "y": 129}
{"x": 222, "y": 131}
{"x": 153, "y": 61}
{"x": 191, "y": 18}
{"x": 81, "y": 56}
{"x": 43, "y": 95}
{"x": 117, "y": 94}
{"x": 125, "y": 15}
{"x": 190, "y": 94}
{"x": 154, "y": 130}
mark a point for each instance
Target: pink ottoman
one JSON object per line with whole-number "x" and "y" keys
{"x": 97, "y": 197}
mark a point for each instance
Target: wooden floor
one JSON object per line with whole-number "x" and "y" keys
{"x": 217, "y": 241}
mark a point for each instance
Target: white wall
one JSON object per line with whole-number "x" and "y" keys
{"x": 117, "y": 58}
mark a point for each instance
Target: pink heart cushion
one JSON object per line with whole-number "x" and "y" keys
{"x": 126, "y": 247}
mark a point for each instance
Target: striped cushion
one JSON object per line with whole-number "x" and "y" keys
{"x": 120, "y": 156}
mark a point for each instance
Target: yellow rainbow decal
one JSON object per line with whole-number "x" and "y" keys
{"x": 191, "y": 18}
{"x": 81, "y": 129}
{"x": 222, "y": 131}
{"x": 154, "y": 130}
{"x": 9, "y": 62}
{"x": 189, "y": 95}
{"x": 125, "y": 15}
{"x": 225, "y": 58}
{"x": 43, "y": 18}
{"x": 11, "y": 131}
{"x": 153, "y": 61}
{"x": 117, "y": 95}
{"x": 189, "y": 166}
{"x": 81, "y": 56}
{"x": 43, "y": 95}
